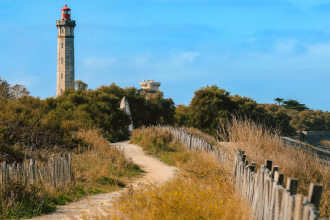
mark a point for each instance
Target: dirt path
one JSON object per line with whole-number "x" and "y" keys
{"x": 156, "y": 172}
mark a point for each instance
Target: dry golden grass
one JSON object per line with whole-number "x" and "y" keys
{"x": 97, "y": 168}
{"x": 325, "y": 142}
{"x": 202, "y": 184}
{"x": 198, "y": 133}
{"x": 154, "y": 140}
{"x": 96, "y": 162}
{"x": 200, "y": 191}
{"x": 261, "y": 143}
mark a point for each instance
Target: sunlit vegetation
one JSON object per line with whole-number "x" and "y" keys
{"x": 98, "y": 168}
{"x": 29, "y": 125}
{"x": 84, "y": 122}
{"x": 201, "y": 190}
{"x": 211, "y": 106}
{"x": 81, "y": 122}
{"x": 306, "y": 120}
{"x": 261, "y": 143}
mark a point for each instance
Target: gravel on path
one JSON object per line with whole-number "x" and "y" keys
{"x": 156, "y": 172}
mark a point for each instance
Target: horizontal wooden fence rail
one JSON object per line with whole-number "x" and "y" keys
{"x": 56, "y": 172}
{"x": 263, "y": 189}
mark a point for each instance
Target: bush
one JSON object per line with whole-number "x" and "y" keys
{"x": 212, "y": 105}
{"x": 154, "y": 140}
{"x": 31, "y": 127}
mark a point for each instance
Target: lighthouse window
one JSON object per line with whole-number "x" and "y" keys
{"x": 62, "y": 60}
{"x": 62, "y": 45}
{"x": 61, "y": 75}
{"x": 62, "y": 30}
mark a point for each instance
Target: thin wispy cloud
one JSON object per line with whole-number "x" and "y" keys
{"x": 257, "y": 48}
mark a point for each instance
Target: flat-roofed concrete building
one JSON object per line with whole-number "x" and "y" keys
{"x": 150, "y": 85}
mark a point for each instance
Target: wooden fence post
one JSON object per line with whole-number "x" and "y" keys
{"x": 274, "y": 169}
{"x": 32, "y": 169}
{"x": 3, "y": 172}
{"x": 190, "y": 144}
{"x": 298, "y": 207}
{"x": 269, "y": 164}
{"x": 314, "y": 195}
{"x": 292, "y": 185}
{"x": 264, "y": 190}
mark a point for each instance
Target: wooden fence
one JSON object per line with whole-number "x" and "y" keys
{"x": 57, "y": 172}
{"x": 268, "y": 198}
{"x": 195, "y": 143}
{"x": 264, "y": 190}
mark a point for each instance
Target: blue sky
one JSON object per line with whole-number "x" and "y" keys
{"x": 262, "y": 49}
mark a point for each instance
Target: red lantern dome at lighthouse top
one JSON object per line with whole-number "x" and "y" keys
{"x": 66, "y": 12}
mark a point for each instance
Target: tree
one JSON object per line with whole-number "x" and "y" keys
{"x": 283, "y": 120}
{"x": 212, "y": 105}
{"x": 12, "y": 92}
{"x": 294, "y": 104}
{"x": 313, "y": 120}
{"x": 279, "y": 100}
{"x": 18, "y": 91}
{"x": 273, "y": 108}
{"x": 208, "y": 106}
{"x": 5, "y": 89}
{"x": 181, "y": 115}
{"x": 147, "y": 108}
{"x": 78, "y": 84}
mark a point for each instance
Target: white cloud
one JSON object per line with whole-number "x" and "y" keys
{"x": 183, "y": 58}
{"x": 140, "y": 59}
{"x": 319, "y": 49}
{"x": 287, "y": 46}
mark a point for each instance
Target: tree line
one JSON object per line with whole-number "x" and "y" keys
{"x": 28, "y": 122}
{"x": 212, "y": 105}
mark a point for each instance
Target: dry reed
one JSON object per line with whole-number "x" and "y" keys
{"x": 261, "y": 143}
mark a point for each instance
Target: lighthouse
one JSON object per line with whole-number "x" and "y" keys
{"x": 65, "y": 51}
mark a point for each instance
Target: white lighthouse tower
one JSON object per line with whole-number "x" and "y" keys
{"x": 65, "y": 51}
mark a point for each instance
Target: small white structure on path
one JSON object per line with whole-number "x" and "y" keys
{"x": 125, "y": 106}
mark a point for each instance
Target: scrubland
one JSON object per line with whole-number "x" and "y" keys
{"x": 201, "y": 190}
{"x": 98, "y": 168}
{"x": 202, "y": 177}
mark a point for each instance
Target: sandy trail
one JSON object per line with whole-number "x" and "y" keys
{"x": 156, "y": 172}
